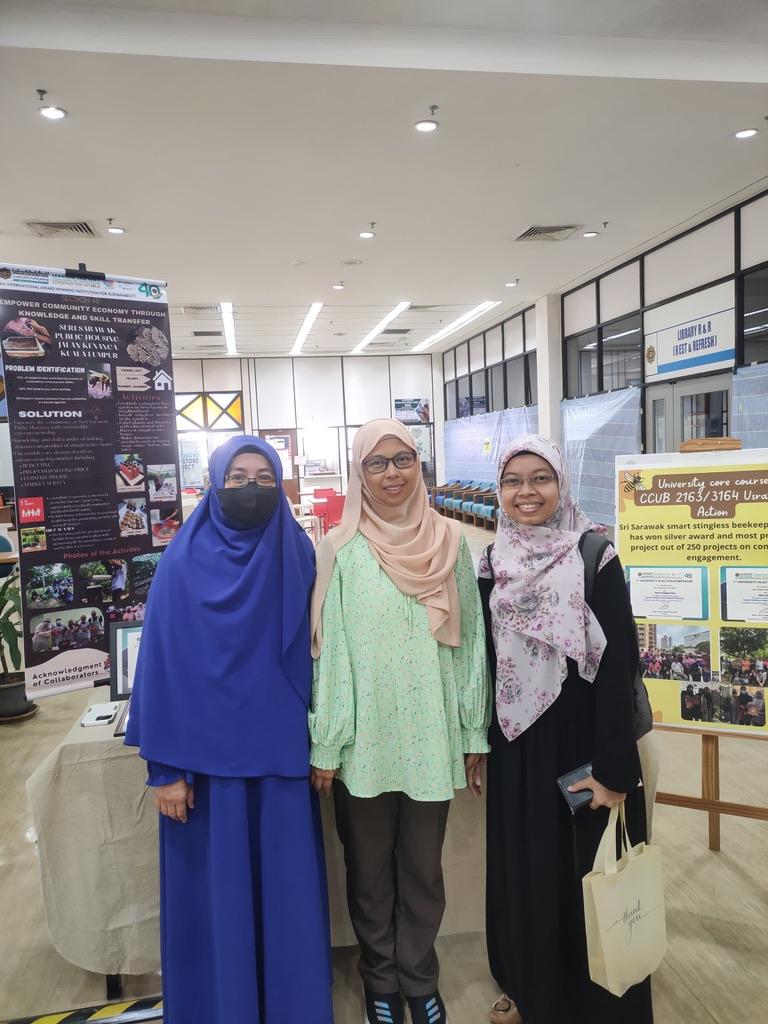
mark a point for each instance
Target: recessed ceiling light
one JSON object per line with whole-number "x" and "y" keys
{"x": 381, "y": 326}
{"x": 428, "y": 124}
{"x": 590, "y": 234}
{"x": 461, "y": 321}
{"x": 746, "y": 133}
{"x": 228, "y": 319}
{"x": 512, "y": 284}
{"x": 306, "y": 327}
{"x": 49, "y": 111}
{"x": 114, "y": 229}
{"x": 369, "y": 232}
{"x": 339, "y": 286}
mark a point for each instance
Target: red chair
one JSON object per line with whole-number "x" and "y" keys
{"x": 334, "y": 509}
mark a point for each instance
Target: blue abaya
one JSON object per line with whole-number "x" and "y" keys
{"x": 220, "y": 698}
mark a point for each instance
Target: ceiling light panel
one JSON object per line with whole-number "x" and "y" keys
{"x": 306, "y": 327}
{"x": 381, "y": 326}
{"x": 462, "y": 321}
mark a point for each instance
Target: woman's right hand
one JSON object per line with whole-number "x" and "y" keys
{"x": 174, "y": 799}
{"x": 321, "y": 779}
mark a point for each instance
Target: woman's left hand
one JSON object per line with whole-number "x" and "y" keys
{"x": 601, "y": 795}
{"x": 473, "y": 766}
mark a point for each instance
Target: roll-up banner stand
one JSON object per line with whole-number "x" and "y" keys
{"x": 89, "y": 384}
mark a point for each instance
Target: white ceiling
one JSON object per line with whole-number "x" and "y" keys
{"x": 248, "y": 181}
{"x": 702, "y": 20}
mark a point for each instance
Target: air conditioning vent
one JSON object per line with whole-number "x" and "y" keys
{"x": 207, "y": 334}
{"x": 548, "y": 233}
{"x": 397, "y": 332}
{"x": 56, "y": 228}
{"x": 198, "y": 310}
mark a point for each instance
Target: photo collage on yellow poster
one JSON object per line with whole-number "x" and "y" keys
{"x": 692, "y": 535}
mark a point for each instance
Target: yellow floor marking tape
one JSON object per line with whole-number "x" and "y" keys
{"x": 53, "y": 1018}
{"x": 112, "y": 1010}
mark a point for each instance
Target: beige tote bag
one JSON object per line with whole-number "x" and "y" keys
{"x": 624, "y": 911}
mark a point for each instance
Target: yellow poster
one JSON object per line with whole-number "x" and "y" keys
{"x": 692, "y": 535}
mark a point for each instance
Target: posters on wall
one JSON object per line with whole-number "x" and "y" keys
{"x": 412, "y": 410}
{"x": 92, "y": 426}
{"x": 692, "y": 535}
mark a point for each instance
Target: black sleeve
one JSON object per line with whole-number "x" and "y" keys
{"x": 615, "y": 760}
{"x": 486, "y": 586}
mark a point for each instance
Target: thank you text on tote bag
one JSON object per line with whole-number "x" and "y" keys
{"x": 624, "y": 911}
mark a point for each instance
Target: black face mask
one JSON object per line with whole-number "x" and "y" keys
{"x": 248, "y": 506}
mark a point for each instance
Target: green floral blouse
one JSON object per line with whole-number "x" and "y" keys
{"x": 392, "y": 709}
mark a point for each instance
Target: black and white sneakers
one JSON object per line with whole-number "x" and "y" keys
{"x": 427, "y": 1009}
{"x": 384, "y": 1009}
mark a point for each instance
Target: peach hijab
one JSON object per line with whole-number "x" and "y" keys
{"x": 418, "y": 552}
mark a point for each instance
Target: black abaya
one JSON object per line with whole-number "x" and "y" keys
{"x": 538, "y": 852}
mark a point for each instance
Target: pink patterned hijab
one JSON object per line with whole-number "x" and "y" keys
{"x": 538, "y": 612}
{"x": 418, "y": 553}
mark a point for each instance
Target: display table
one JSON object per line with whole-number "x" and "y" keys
{"x": 97, "y": 841}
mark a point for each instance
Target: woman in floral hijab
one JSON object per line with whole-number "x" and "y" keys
{"x": 564, "y": 672}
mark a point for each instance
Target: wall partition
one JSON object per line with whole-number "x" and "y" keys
{"x": 307, "y": 407}
{"x": 676, "y": 322}
{"x": 494, "y": 370}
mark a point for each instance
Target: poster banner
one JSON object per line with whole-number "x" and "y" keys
{"x": 412, "y": 410}
{"x": 88, "y": 376}
{"x": 692, "y": 535}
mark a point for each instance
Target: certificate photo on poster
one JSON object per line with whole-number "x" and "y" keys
{"x": 668, "y": 592}
{"x": 744, "y": 593}
{"x": 124, "y": 639}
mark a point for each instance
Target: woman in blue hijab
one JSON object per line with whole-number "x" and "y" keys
{"x": 219, "y": 712}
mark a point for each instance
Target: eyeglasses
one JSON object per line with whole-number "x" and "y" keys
{"x": 403, "y": 460}
{"x": 238, "y": 479}
{"x": 538, "y": 480}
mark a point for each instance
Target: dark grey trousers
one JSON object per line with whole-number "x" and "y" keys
{"x": 393, "y": 850}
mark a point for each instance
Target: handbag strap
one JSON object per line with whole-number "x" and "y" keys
{"x": 605, "y": 858}
{"x": 591, "y": 548}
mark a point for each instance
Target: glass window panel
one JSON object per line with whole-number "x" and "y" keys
{"x": 530, "y": 329}
{"x": 513, "y": 337}
{"x": 756, "y": 317}
{"x": 659, "y": 416}
{"x": 450, "y": 401}
{"x": 532, "y": 378}
{"x": 493, "y": 346}
{"x": 464, "y": 406}
{"x": 582, "y": 364}
{"x": 476, "y": 353}
{"x": 462, "y": 360}
{"x": 449, "y": 365}
{"x": 479, "y": 403}
{"x": 704, "y": 415}
{"x": 622, "y": 353}
{"x": 515, "y": 383}
{"x": 496, "y": 375}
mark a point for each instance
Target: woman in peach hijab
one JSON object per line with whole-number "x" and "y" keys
{"x": 400, "y": 713}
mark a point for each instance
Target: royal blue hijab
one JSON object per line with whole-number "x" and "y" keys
{"x": 224, "y": 673}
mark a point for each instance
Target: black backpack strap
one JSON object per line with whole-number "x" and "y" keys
{"x": 488, "y": 553}
{"x": 592, "y": 548}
